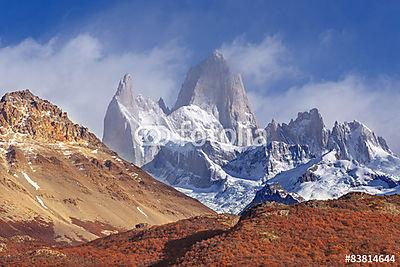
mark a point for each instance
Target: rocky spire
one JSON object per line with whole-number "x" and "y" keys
{"x": 307, "y": 129}
{"x": 163, "y": 106}
{"x": 212, "y": 86}
{"x": 124, "y": 93}
{"x": 125, "y": 114}
{"x": 274, "y": 132}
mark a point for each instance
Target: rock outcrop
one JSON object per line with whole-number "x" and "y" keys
{"x": 24, "y": 113}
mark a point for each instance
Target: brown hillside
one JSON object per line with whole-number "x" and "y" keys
{"x": 59, "y": 183}
{"x": 315, "y": 233}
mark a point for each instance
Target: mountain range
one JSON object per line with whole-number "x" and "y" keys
{"x": 209, "y": 145}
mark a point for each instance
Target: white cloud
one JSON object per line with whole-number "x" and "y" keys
{"x": 374, "y": 102}
{"x": 260, "y": 63}
{"x": 81, "y": 78}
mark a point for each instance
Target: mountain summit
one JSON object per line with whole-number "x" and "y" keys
{"x": 307, "y": 129}
{"x": 24, "y": 113}
{"x": 125, "y": 90}
{"x": 213, "y": 86}
{"x": 212, "y": 99}
{"x": 125, "y": 114}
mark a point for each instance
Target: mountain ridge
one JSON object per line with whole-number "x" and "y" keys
{"x": 59, "y": 183}
{"x": 25, "y": 113}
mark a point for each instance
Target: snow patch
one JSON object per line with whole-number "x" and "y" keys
{"x": 141, "y": 211}
{"x": 41, "y": 202}
{"x": 109, "y": 232}
{"x": 33, "y": 183}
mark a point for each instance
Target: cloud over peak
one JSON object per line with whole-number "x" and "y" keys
{"x": 81, "y": 77}
{"x": 260, "y": 63}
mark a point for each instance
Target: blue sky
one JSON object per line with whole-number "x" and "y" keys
{"x": 294, "y": 55}
{"x": 366, "y": 33}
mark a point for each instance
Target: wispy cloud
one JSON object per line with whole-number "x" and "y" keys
{"x": 260, "y": 63}
{"x": 81, "y": 78}
{"x": 375, "y": 102}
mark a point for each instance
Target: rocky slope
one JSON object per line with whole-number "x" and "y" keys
{"x": 59, "y": 183}
{"x": 311, "y": 233}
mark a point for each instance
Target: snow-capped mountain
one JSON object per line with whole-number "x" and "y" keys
{"x": 349, "y": 158}
{"x": 327, "y": 177}
{"x": 355, "y": 141}
{"x": 196, "y": 156}
{"x": 307, "y": 129}
{"x": 351, "y": 140}
{"x": 213, "y": 86}
{"x": 125, "y": 115}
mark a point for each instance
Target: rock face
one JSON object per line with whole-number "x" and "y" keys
{"x": 308, "y": 129}
{"x": 172, "y": 163}
{"x": 125, "y": 116}
{"x": 60, "y": 184}
{"x": 212, "y": 86}
{"x": 265, "y": 161}
{"x": 163, "y": 106}
{"x": 22, "y": 112}
{"x": 355, "y": 141}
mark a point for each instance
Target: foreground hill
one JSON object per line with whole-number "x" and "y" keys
{"x": 310, "y": 233}
{"x": 59, "y": 183}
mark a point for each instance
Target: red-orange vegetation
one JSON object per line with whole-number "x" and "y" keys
{"x": 311, "y": 233}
